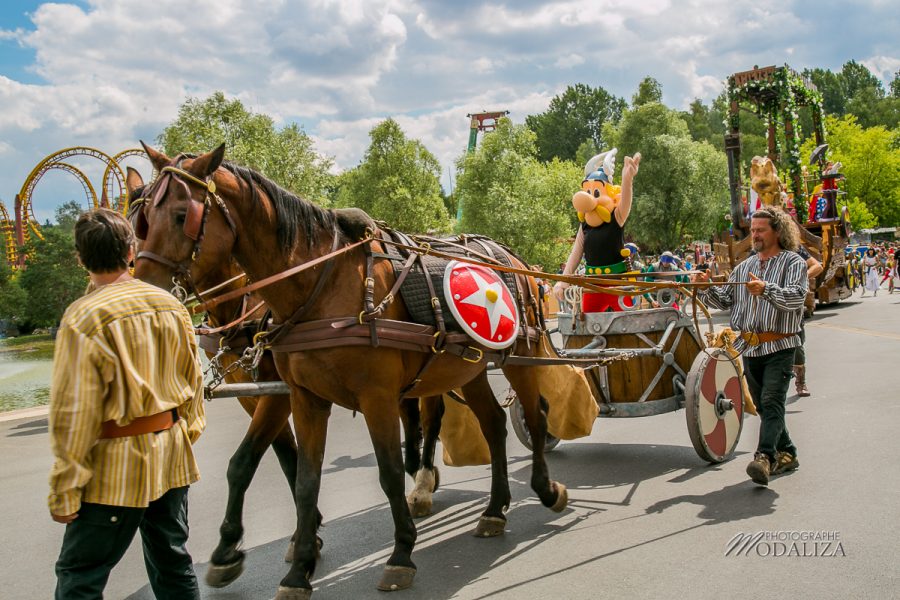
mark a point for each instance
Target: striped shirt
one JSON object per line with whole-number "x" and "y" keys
{"x": 777, "y": 310}
{"x": 124, "y": 351}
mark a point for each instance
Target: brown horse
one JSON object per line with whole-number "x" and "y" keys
{"x": 268, "y": 414}
{"x": 269, "y": 231}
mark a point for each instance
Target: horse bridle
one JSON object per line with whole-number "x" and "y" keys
{"x": 194, "y": 222}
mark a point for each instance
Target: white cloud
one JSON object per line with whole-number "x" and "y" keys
{"x": 569, "y": 61}
{"x": 114, "y": 71}
{"x": 883, "y": 67}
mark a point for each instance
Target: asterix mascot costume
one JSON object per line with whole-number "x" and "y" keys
{"x": 602, "y": 210}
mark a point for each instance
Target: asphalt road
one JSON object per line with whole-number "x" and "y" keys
{"x": 647, "y": 518}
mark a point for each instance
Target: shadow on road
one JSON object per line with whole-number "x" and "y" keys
{"x": 35, "y": 427}
{"x": 449, "y": 558}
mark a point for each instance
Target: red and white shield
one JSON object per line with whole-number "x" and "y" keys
{"x": 481, "y": 304}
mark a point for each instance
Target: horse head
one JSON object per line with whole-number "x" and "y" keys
{"x": 186, "y": 233}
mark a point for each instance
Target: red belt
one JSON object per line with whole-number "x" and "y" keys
{"x": 141, "y": 425}
{"x": 755, "y": 339}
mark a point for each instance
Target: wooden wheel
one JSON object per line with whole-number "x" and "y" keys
{"x": 714, "y": 405}
{"x": 517, "y": 416}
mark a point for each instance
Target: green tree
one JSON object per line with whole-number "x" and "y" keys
{"x": 649, "y": 90}
{"x": 511, "y": 196}
{"x": 13, "y": 299}
{"x": 681, "y": 193}
{"x": 286, "y": 156}
{"x": 681, "y": 190}
{"x": 53, "y": 279}
{"x": 706, "y": 123}
{"x": 398, "y": 181}
{"x": 860, "y": 215}
{"x": 855, "y": 90}
{"x": 67, "y": 214}
{"x": 576, "y": 115}
{"x": 857, "y": 77}
{"x": 640, "y": 125}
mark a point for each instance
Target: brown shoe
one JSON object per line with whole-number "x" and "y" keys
{"x": 784, "y": 462}
{"x": 759, "y": 469}
{"x": 800, "y": 381}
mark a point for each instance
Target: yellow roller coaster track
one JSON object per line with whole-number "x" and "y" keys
{"x": 8, "y": 231}
{"x": 56, "y": 158}
{"x": 28, "y": 208}
{"x": 107, "y": 184}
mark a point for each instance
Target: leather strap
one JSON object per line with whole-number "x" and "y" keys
{"x": 277, "y": 277}
{"x": 755, "y": 339}
{"x": 141, "y": 425}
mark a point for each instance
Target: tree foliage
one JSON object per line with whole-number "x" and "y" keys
{"x": 67, "y": 214}
{"x": 576, "y": 115}
{"x": 860, "y": 215}
{"x": 649, "y": 90}
{"x": 53, "y": 278}
{"x": 286, "y": 156}
{"x": 509, "y": 195}
{"x": 855, "y": 90}
{"x": 13, "y": 299}
{"x": 398, "y": 182}
{"x": 681, "y": 191}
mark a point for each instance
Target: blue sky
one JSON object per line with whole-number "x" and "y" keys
{"x": 107, "y": 73}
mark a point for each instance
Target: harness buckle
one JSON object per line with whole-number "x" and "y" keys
{"x": 438, "y": 341}
{"x": 258, "y": 336}
{"x": 474, "y": 360}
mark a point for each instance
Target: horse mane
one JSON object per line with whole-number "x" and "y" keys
{"x": 291, "y": 211}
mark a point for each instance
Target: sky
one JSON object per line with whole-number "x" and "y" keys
{"x": 105, "y": 74}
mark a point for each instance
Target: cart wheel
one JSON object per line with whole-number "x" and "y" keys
{"x": 714, "y": 405}
{"x": 517, "y": 416}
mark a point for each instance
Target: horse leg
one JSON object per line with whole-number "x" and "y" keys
{"x": 427, "y": 477}
{"x": 268, "y": 427}
{"x": 524, "y": 381}
{"x": 310, "y": 414}
{"x": 412, "y": 434}
{"x": 384, "y": 430}
{"x": 492, "y": 419}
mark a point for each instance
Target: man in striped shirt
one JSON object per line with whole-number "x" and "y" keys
{"x": 126, "y": 406}
{"x": 766, "y": 309}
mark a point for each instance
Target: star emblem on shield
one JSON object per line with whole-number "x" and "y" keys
{"x": 482, "y": 304}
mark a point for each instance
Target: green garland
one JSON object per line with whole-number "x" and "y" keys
{"x": 787, "y": 91}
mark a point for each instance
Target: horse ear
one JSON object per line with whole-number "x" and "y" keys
{"x": 133, "y": 180}
{"x": 206, "y": 164}
{"x": 158, "y": 159}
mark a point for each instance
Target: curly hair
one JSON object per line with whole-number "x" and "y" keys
{"x": 781, "y": 222}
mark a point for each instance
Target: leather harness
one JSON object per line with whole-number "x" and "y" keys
{"x": 368, "y": 328}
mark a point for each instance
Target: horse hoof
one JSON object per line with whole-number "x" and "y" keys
{"x": 562, "y": 498}
{"x": 289, "y": 554}
{"x": 490, "y": 527}
{"x": 419, "y": 500}
{"x": 395, "y": 578}
{"x": 286, "y": 593}
{"x": 419, "y": 506}
{"x": 218, "y": 576}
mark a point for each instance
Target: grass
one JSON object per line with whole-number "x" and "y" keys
{"x": 28, "y": 346}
